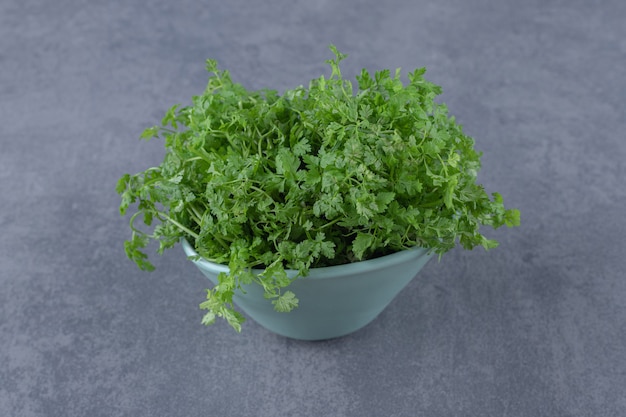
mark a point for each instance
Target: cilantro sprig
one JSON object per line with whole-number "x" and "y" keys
{"x": 321, "y": 175}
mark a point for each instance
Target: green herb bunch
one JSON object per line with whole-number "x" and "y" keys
{"x": 317, "y": 176}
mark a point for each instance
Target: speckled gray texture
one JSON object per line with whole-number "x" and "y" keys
{"x": 535, "y": 328}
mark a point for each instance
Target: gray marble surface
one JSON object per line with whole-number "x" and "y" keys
{"x": 536, "y": 327}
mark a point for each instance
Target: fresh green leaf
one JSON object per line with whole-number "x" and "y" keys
{"x": 151, "y": 132}
{"x": 285, "y": 302}
{"x": 362, "y": 243}
{"x": 318, "y": 176}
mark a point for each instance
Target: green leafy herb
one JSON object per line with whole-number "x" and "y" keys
{"x": 317, "y": 176}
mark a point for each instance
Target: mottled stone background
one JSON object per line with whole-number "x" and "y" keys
{"x": 535, "y": 328}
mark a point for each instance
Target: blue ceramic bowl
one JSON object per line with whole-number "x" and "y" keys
{"x": 333, "y": 301}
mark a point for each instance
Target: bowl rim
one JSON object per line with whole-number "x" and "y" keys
{"x": 383, "y": 262}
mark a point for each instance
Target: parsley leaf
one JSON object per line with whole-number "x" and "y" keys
{"x": 318, "y": 176}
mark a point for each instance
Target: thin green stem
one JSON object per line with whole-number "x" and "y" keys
{"x": 221, "y": 242}
{"x": 338, "y": 219}
{"x": 132, "y": 221}
{"x": 180, "y": 226}
{"x": 195, "y": 213}
{"x": 254, "y": 187}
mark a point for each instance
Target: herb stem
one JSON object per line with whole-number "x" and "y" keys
{"x": 222, "y": 243}
{"x": 194, "y": 217}
{"x": 132, "y": 222}
{"x": 198, "y": 216}
{"x": 338, "y": 219}
{"x": 255, "y": 188}
{"x": 180, "y": 226}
